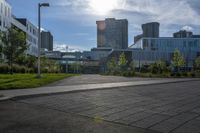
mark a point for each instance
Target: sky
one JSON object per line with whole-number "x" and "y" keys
{"x": 73, "y": 22}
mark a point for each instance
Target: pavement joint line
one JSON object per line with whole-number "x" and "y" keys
{"x": 183, "y": 123}
{"x": 170, "y": 116}
{"x": 84, "y": 116}
{"x": 155, "y": 114}
{"x": 24, "y": 96}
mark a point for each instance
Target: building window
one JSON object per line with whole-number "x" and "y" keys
{"x": 1, "y": 7}
{"x": 4, "y": 24}
{"x": 5, "y": 11}
{"x": 0, "y": 21}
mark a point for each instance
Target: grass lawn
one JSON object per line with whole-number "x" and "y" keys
{"x": 22, "y": 81}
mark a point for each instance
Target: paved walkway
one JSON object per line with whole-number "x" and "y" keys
{"x": 72, "y": 85}
{"x": 167, "y": 108}
{"x": 97, "y": 79}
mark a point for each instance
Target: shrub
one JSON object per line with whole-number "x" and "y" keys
{"x": 185, "y": 74}
{"x": 178, "y": 74}
{"x": 193, "y": 74}
{"x": 4, "y": 68}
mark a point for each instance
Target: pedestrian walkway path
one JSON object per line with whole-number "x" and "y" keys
{"x": 7, "y": 94}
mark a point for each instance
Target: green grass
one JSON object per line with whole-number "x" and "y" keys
{"x": 23, "y": 81}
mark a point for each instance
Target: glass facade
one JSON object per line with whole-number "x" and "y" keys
{"x": 150, "y": 50}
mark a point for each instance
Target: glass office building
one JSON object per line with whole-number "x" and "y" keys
{"x": 150, "y": 50}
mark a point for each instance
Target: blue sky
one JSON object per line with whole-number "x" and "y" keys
{"x": 73, "y": 22}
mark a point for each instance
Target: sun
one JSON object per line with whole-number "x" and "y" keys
{"x": 103, "y": 7}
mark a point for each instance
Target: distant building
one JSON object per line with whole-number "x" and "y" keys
{"x": 31, "y": 34}
{"x": 53, "y": 54}
{"x": 5, "y": 15}
{"x": 195, "y": 36}
{"x": 149, "y": 50}
{"x": 112, "y": 33}
{"x": 183, "y": 34}
{"x": 96, "y": 54}
{"x": 47, "y": 40}
{"x": 149, "y": 30}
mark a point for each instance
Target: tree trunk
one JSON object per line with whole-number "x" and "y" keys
{"x": 11, "y": 65}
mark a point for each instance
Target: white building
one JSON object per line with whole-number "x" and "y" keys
{"x": 31, "y": 35}
{"x": 7, "y": 20}
{"x": 5, "y": 15}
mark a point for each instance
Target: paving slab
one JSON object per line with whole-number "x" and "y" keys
{"x": 171, "y": 107}
{"x": 22, "y": 118}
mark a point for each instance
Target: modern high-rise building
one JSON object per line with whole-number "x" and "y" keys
{"x": 112, "y": 33}
{"x": 47, "y": 40}
{"x": 151, "y": 29}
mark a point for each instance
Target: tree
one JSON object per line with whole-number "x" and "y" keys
{"x": 112, "y": 65}
{"x": 26, "y": 60}
{"x": 49, "y": 66}
{"x": 76, "y": 67}
{"x": 197, "y": 63}
{"x": 178, "y": 60}
{"x": 14, "y": 44}
{"x": 122, "y": 61}
{"x": 1, "y": 46}
{"x": 132, "y": 66}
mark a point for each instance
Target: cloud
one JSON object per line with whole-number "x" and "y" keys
{"x": 187, "y": 28}
{"x": 171, "y": 14}
{"x": 68, "y": 47}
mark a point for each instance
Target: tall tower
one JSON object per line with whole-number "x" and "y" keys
{"x": 112, "y": 33}
{"x": 151, "y": 30}
{"x": 47, "y": 40}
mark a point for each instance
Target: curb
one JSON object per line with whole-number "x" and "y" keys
{"x": 15, "y": 98}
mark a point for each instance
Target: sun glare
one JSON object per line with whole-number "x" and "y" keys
{"x": 103, "y": 7}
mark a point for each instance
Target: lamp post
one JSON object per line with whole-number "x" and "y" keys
{"x": 39, "y": 34}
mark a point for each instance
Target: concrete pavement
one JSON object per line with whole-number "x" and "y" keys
{"x": 86, "y": 82}
{"x": 19, "y": 117}
{"x": 166, "y": 108}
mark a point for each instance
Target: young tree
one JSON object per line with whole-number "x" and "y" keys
{"x": 49, "y": 66}
{"x": 1, "y": 45}
{"x": 132, "y": 66}
{"x": 197, "y": 63}
{"x": 178, "y": 59}
{"x": 112, "y": 65}
{"x": 76, "y": 67}
{"x": 122, "y": 61}
{"x": 14, "y": 44}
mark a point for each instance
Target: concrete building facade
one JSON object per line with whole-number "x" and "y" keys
{"x": 7, "y": 20}
{"x": 185, "y": 34}
{"x": 149, "y": 30}
{"x": 46, "y": 40}
{"x": 112, "y": 33}
{"x": 5, "y": 15}
{"x": 31, "y": 35}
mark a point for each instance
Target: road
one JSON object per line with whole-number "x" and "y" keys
{"x": 166, "y": 108}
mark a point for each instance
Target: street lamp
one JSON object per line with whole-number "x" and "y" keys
{"x": 39, "y": 34}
